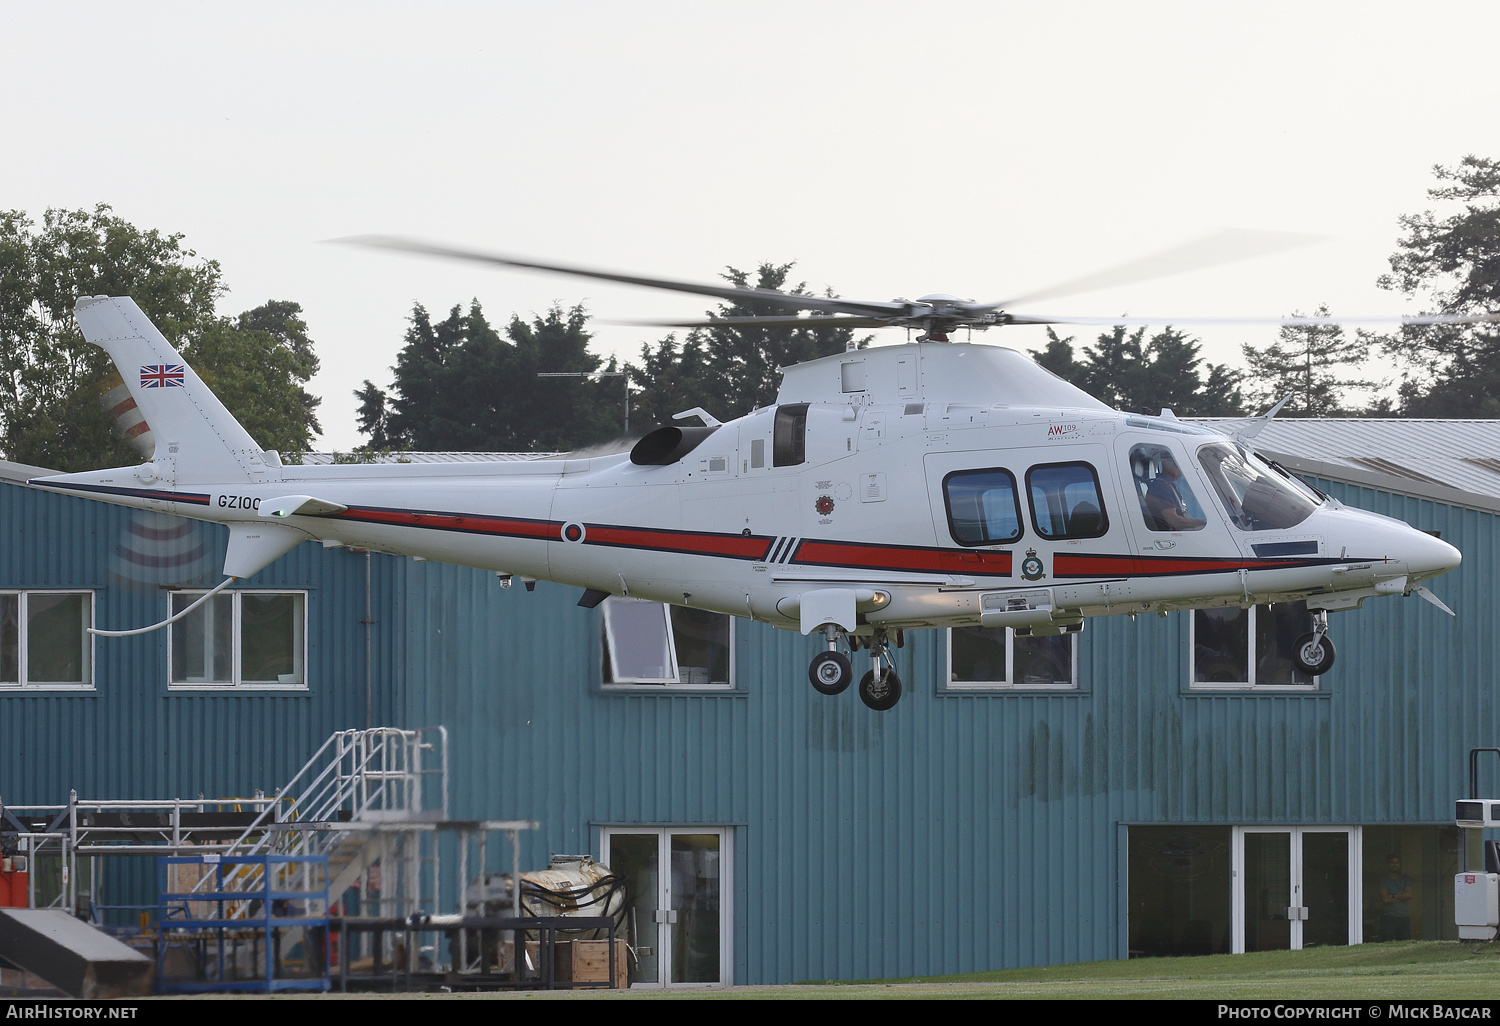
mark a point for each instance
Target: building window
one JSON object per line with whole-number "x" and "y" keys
{"x": 1178, "y": 881}
{"x": 983, "y": 658}
{"x": 647, "y": 643}
{"x": 248, "y": 639}
{"x": 44, "y": 639}
{"x": 1406, "y": 874}
{"x": 1249, "y": 648}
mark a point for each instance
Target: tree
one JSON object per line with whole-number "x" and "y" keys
{"x": 459, "y": 386}
{"x": 1059, "y": 359}
{"x": 674, "y": 378}
{"x": 1453, "y": 261}
{"x": 731, "y": 370}
{"x": 1311, "y": 363}
{"x": 257, "y": 364}
{"x": 51, "y": 379}
{"x": 1128, "y": 371}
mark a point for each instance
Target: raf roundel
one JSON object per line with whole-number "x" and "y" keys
{"x": 573, "y": 532}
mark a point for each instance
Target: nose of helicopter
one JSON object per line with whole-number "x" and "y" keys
{"x": 1428, "y": 556}
{"x": 1423, "y": 555}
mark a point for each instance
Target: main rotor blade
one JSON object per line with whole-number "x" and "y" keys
{"x": 767, "y": 322}
{"x": 729, "y": 292}
{"x": 1291, "y": 322}
{"x": 1224, "y": 246}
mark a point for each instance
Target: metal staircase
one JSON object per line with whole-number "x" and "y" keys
{"x": 363, "y": 798}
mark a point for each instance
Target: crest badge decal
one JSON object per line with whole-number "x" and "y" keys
{"x": 1031, "y": 567}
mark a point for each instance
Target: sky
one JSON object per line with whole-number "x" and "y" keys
{"x": 888, "y": 149}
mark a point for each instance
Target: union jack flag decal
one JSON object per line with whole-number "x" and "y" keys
{"x": 162, "y": 375}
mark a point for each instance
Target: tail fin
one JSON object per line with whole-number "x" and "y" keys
{"x": 196, "y": 437}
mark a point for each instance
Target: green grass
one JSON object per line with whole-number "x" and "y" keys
{"x": 1365, "y": 973}
{"x": 1397, "y": 970}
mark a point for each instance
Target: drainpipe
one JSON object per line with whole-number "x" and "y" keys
{"x": 369, "y": 623}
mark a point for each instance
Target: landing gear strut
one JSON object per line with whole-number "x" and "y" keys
{"x": 880, "y": 689}
{"x": 831, "y": 672}
{"x": 1314, "y": 653}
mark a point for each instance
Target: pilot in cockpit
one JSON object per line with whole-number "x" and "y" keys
{"x": 1166, "y": 509}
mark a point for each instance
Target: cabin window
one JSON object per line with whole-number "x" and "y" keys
{"x": 1249, "y": 648}
{"x": 986, "y": 658}
{"x": 983, "y": 507}
{"x": 1065, "y": 501}
{"x": 249, "y": 639}
{"x": 647, "y": 643}
{"x": 1167, "y": 500}
{"x": 789, "y": 436}
{"x": 1255, "y": 496}
{"x": 44, "y": 640}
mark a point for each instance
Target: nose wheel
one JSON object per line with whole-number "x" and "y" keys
{"x": 1314, "y": 653}
{"x": 831, "y": 672}
{"x": 880, "y": 689}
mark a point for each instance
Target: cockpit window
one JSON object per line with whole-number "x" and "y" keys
{"x": 1255, "y": 496}
{"x": 983, "y": 508}
{"x": 1167, "y": 500}
{"x": 1065, "y": 501}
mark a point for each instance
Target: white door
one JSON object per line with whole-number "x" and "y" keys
{"x": 1295, "y": 887}
{"x": 677, "y": 919}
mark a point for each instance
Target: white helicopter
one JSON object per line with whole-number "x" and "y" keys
{"x": 926, "y": 485}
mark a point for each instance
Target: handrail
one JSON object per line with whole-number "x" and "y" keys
{"x": 358, "y": 771}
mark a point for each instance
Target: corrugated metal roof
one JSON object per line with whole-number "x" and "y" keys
{"x": 20, "y": 473}
{"x": 1461, "y": 454}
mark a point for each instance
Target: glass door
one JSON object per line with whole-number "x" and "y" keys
{"x": 677, "y": 908}
{"x": 1267, "y": 892}
{"x": 1295, "y": 887}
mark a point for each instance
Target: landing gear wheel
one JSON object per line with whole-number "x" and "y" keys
{"x": 1314, "y": 653}
{"x": 830, "y": 672}
{"x": 880, "y": 691}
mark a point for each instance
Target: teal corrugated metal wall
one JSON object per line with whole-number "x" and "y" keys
{"x": 956, "y": 832}
{"x": 133, "y": 738}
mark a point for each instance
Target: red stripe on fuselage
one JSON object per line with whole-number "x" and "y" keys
{"x": 1147, "y": 566}
{"x": 735, "y": 546}
{"x": 510, "y": 527}
{"x": 899, "y": 557}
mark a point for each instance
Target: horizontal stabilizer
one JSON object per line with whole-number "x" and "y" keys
{"x": 300, "y": 506}
{"x": 253, "y": 547}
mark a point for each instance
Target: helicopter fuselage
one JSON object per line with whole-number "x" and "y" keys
{"x": 922, "y": 485}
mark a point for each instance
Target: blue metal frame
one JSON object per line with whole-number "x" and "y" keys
{"x": 265, "y": 923}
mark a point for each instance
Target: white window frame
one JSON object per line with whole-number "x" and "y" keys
{"x": 236, "y": 644}
{"x": 21, "y": 684}
{"x": 1010, "y": 683}
{"x": 1195, "y": 684}
{"x": 672, "y": 680}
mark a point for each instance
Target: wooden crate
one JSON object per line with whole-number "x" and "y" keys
{"x": 587, "y": 961}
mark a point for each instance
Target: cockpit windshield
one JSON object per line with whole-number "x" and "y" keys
{"x": 1254, "y": 495}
